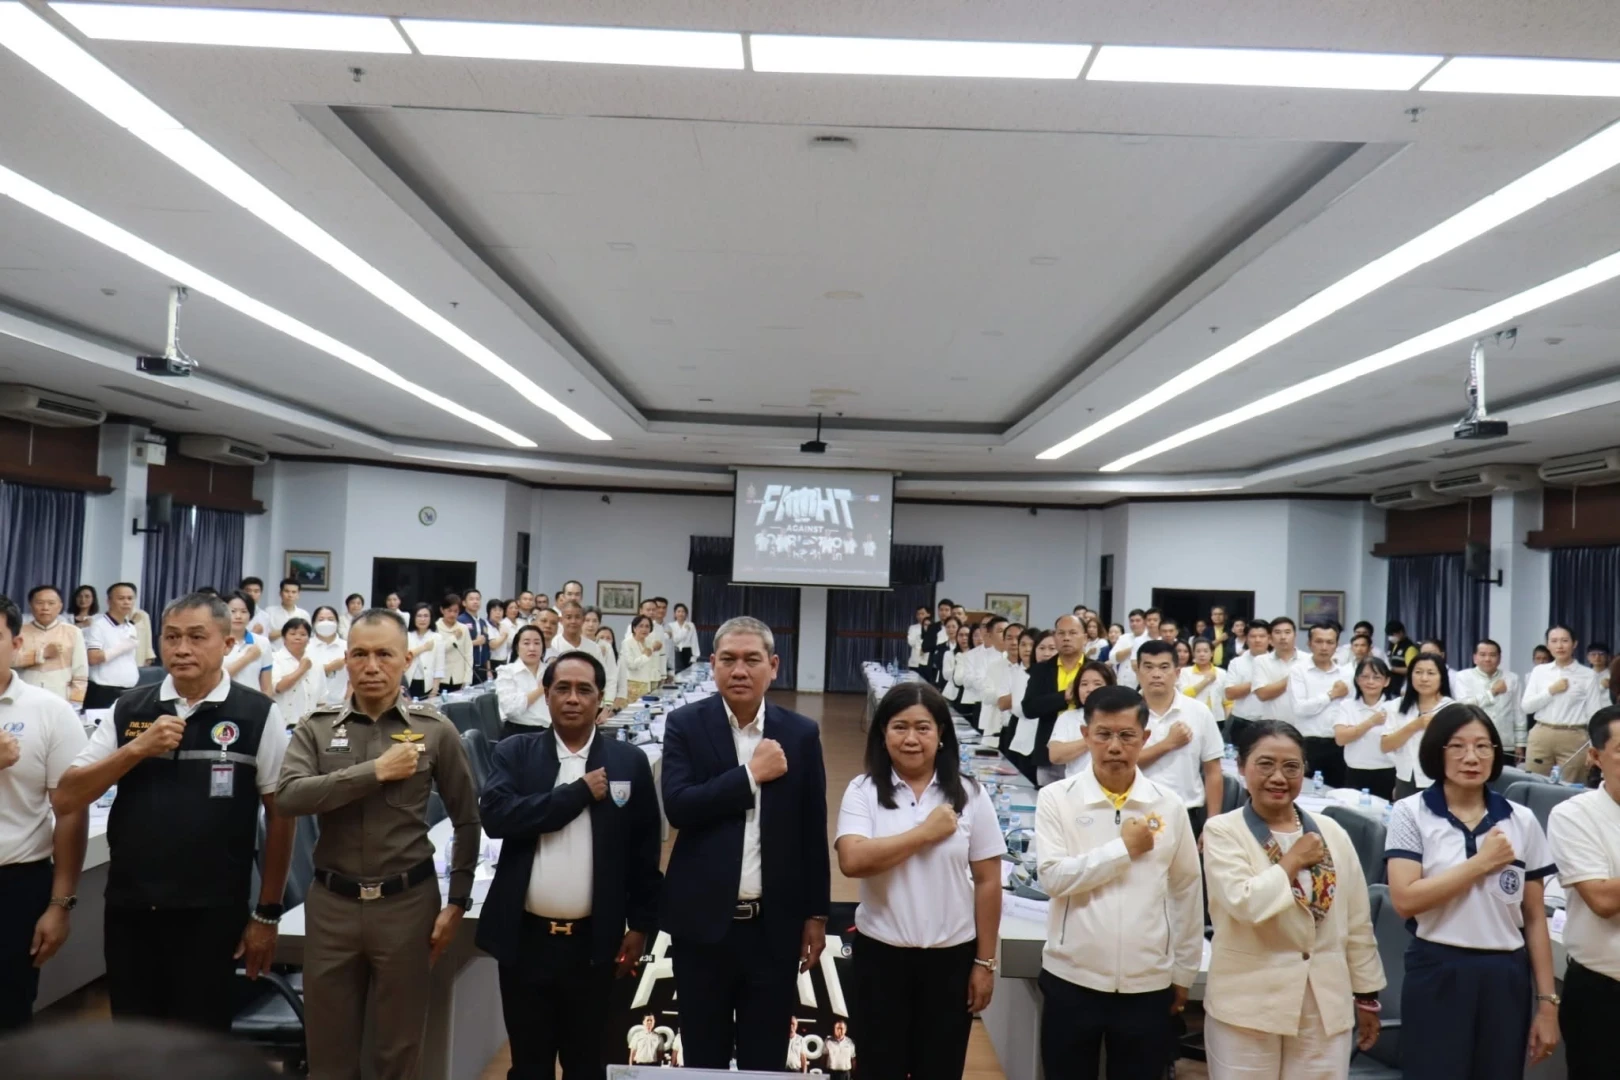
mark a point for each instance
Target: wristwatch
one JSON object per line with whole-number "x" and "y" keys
{"x": 462, "y": 902}
{"x": 66, "y": 903}
{"x": 989, "y": 965}
{"x": 1552, "y": 999}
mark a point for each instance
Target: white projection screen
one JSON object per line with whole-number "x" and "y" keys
{"x": 812, "y": 527}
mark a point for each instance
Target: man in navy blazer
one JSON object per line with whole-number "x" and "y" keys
{"x": 746, "y": 892}
{"x": 575, "y": 894}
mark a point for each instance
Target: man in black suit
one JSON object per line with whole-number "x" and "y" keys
{"x": 1046, "y": 695}
{"x": 745, "y": 897}
{"x": 578, "y": 817}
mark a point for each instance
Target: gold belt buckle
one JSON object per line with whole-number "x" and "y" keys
{"x": 561, "y": 927}
{"x": 371, "y": 892}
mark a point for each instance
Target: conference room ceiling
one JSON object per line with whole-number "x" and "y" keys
{"x": 957, "y": 272}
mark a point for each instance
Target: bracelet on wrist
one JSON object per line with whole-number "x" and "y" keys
{"x": 265, "y": 920}
{"x": 1369, "y": 1004}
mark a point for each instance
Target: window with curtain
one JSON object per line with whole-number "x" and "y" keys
{"x": 199, "y": 547}
{"x": 1585, "y": 594}
{"x": 870, "y": 624}
{"x": 1434, "y": 597}
{"x": 41, "y": 539}
{"x": 715, "y": 599}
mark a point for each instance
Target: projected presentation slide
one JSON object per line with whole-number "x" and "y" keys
{"x": 812, "y": 527}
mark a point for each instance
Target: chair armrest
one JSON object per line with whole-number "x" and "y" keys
{"x": 280, "y": 984}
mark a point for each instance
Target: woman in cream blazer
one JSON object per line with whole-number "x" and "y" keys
{"x": 1294, "y": 972}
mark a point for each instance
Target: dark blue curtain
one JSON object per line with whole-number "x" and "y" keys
{"x": 198, "y": 547}
{"x": 41, "y": 539}
{"x": 1434, "y": 597}
{"x": 1586, "y": 593}
{"x": 869, "y": 624}
{"x": 715, "y": 599}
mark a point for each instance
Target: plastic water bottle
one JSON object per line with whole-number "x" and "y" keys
{"x": 1389, "y": 811}
{"x": 1557, "y": 775}
{"x": 1366, "y": 796}
{"x": 1317, "y": 783}
{"x": 1231, "y": 752}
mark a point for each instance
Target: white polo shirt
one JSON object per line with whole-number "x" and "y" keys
{"x": 1474, "y": 687}
{"x": 1125, "y": 670}
{"x": 118, "y": 642}
{"x": 1584, "y": 834}
{"x": 1364, "y": 752}
{"x": 49, "y": 736}
{"x": 1272, "y": 668}
{"x": 304, "y": 696}
{"x": 1405, "y": 756}
{"x": 560, "y": 879}
{"x": 926, "y": 902}
{"x": 1213, "y": 696}
{"x": 1308, "y": 697}
{"x": 1490, "y": 915}
{"x": 645, "y": 1046}
{"x": 103, "y": 742}
{"x": 1182, "y": 770}
{"x": 1568, "y": 709}
{"x": 1069, "y": 727}
{"x": 274, "y": 617}
{"x": 1241, "y": 672}
{"x": 840, "y": 1054}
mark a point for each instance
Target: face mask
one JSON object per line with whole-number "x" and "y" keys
{"x": 326, "y": 628}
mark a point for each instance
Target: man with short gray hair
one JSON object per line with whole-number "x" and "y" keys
{"x": 741, "y": 776}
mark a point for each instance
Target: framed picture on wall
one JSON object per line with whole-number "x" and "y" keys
{"x": 1319, "y": 607}
{"x": 618, "y": 597}
{"x": 311, "y": 569}
{"x": 1014, "y": 607}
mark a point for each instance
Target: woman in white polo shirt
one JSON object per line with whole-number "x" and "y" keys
{"x": 1467, "y": 866}
{"x": 1358, "y": 726}
{"x": 1067, "y": 746}
{"x": 1428, "y": 690}
{"x": 924, "y": 842}
{"x": 1294, "y": 972}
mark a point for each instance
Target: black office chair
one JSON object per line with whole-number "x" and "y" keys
{"x": 488, "y": 708}
{"x": 435, "y": 809}
{"x": 461, "y": 713}
{"x": 1512, "y": 775}
{"x": 1541, "y": 798}
{"x": 1383, "y": 1061}
{"x": 1368, "y": 837}
{"x": 269, "y": 1011}
{"x": 149, "y": 675}
{"x": 479, "y": 755}
{"x": 1233, "y": 794}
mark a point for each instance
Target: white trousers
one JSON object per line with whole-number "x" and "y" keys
{"x": 1237, "y": 1053}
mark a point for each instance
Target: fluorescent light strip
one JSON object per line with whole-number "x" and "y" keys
{"x": 1302, "y": 69}
{"x": 219, "y": 26}
{"x": 891, "y": 56}
{"x": 1458, "y": 330}
{"x": 1527, "y": 75}
{"x": 576, "y": 44}
{"x": 1585, "y": 160}
{"x": 41, "y": 45}
{"x": 176, "y": 270}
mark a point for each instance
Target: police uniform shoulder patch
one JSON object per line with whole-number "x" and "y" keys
{"x": 425, "y": 712}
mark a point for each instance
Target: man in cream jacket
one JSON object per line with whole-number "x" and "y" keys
{"x": 1125, "y": 933}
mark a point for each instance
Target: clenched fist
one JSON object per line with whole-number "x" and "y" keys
{"x": 1178, "y": 736}
{"x": 162, "y": 737}
{"x": 1496, "y": 852}
{"x": 1137, "y": 836}
{"x": 940, "y": 824}
{"x": 597, "y": 781}
{"x": 1338, "y": 690}
{"x": 10, "y": 750}
{"x": 768, "y": 761}
{"x": 1307, "y": 851}
{"x": 398, "y": 761}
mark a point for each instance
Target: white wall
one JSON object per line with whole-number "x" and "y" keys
{"x": 383, "y": 504}
{"x": 633, "y": 537}
{"x": 1239, "y": 545}
{"x": 1003, "y": 549}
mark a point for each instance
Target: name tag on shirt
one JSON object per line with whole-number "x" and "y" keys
{"x": 222, "y": 781}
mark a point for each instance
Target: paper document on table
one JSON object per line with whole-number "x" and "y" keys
{"x": 1025, "y": 908}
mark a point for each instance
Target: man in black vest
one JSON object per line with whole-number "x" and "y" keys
{"x": 194, "y": 759}
{"x": 575, "y": 896}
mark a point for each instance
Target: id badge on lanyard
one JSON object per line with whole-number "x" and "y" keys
{"x": 222, "y": 773}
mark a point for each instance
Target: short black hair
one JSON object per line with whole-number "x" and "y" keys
{"x": 245, "y": 598}
{"x": 353, "y": 596}
{"x": 1331, "y": 628}
{"x": 638, "y": 620}
{"x": 12, "y": 615}
{"x": 1394, "y": 626}
{"x": 1488, "y": 641}
{"x": 1116, "y": 699}
{"x": 286, "y": 581}
{"x": 1255, "y": 730}
{"x": 598, "y": 672}
{"x": 1156, "y": 647}
{"x": 247, "y": 581}
{"x": 130, "y": 585}
{"x": 1292, "y": 625}
{"x": 1134, "y": 612}
{"x": 1597, "y": 646}
{"x": 37, "y": 589}
{"x": 450, "y": 600}
{"x": 993, "y": 621}
{"x": 947, "y": 602}
{"x": 528, "y": 628}
{"x": 1152, "y": 611}
{"x": 660, "y": 600}
{"x": 1362, "y": 637}
{"x": 1258, "y": 623}
{"x": 1364, "y": 624}
{"x": 1446, "y": 723}
{"x": 296, "y": 623}
{"x": 1598, "y": 729}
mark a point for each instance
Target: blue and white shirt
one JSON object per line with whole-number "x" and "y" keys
{"x": 1490, "y": 915}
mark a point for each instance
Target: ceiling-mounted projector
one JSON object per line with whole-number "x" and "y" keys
{"x": 1477, "y": 424}
{"x": 815, "y": 445}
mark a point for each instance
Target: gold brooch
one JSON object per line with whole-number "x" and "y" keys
{"x": 408, "y": 736}
{"x": 1154, "y": 823}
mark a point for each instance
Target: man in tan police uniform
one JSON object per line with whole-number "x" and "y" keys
{"x": 373, "y": 917}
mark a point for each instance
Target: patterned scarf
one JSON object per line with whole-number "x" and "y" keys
{"x": 1324, "y": 879}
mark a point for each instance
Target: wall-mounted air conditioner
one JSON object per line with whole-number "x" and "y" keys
{"x": 222, "y": 450}
{"x": 1413, "y": 496}
{"x": 1484, "y": 480}
{"x": 1598, "y": 467}
{"x": 47, "y": 409}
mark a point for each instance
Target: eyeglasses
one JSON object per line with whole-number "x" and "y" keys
{"x": 1126, "y": 737}
{"x": 1292, "y": 770}
{"x": 1482, "y": 749}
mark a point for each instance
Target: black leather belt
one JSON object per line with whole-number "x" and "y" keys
{"x": 554, "y": 927}
{"x": 349, "y": 887}
{"x": 746, "y": 909}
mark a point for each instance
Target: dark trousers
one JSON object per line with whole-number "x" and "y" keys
{"x": 1472, "y": 1008}
{"x": 25, "y": 891}
{"x": 556, "y": 1005}
{"x": 97, "y": 696}
{"x": 1324, "y": 755}
{"x": 745, "y": 973}
{"x": 911, "y": 1010}
{"x": 683, "y": 660}
{"x": 1380, "y": 782}
{"x": 1403, "y": 788}
{"x": 418, "y": 688}
{"x": 1591, "y": 1003}
{"x": 173, "y": 963}
{"x": 1234, "y": 728}
{"x": 1077, "y": 1024}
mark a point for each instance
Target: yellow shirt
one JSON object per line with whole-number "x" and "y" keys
{"x": 1066, "y": 676}
{"x": 1118, "y": 800}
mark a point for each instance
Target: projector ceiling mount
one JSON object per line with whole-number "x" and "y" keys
{"x": 1477, "y": 423}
